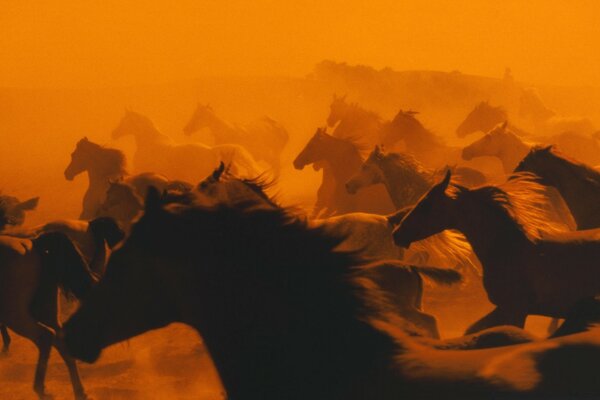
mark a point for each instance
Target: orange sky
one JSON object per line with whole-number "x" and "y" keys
{"x": 84, "y": 43}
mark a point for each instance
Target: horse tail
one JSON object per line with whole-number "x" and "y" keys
{"x": 439, "y": 275}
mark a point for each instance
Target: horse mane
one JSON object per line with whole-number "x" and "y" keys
{"x": 353, "y": 143}
{"x": 577, "y": 168}
{"x": 424, "y": 133}
{"x": 484, "y": 105}
{"x": 521, "y": 198}
{"x": 114, "y": 160}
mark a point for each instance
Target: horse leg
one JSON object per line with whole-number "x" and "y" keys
{"x": 78, "y": 389}
{"x": 499, "y": 316}
{"x": 5, "y": 339}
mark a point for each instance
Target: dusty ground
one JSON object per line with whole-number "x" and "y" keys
{"x": 167, "y": 364}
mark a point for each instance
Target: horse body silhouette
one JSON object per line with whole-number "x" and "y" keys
{"x": 578, "y": 184}
{"x": 31, "y": 271}
{"x": 352, "y": 122}
{"x": 103, "y": 166}
{"x": 528, "y": 267}
{"x": 265, "y": 139}
{"x": 327, "y": 328}
{"x": 188, "y": 162}
{"x": 340, "y": 159}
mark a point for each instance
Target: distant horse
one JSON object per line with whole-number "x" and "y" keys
{"x": 353, "y": 122}
{"x": 31, "y": 272}
{"x": 91, "y": 238}
{"x": 483, "y": 118}
{"x": 103, "y": 166}
{"x": 13, "y": 210}
{"x": 340, "y": 159}
{"x": 256, "y": 281}
{"x": 418, "y": 141}
{"x": 404, "y": 178}
{"x": 189, "y": 162}
{"x": 546, "y": 122}
{"x": 528, "y": 267}
{"x": 265, "y": 139}
{"x": 578, "y": 183}
{"x": 503, "y": 143}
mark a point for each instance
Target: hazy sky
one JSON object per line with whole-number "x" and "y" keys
{"x": 98, "y": 43}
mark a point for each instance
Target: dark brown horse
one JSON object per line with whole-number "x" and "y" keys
{"x": 340, "y": 159}
{"x": 285, "y": 316}
{"x": 527, "y": 268}
{"x": 578, "y": 183}
{"x": 31, "y": 273}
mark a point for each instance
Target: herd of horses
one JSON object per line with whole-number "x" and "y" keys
{"x": 326, "y": 302}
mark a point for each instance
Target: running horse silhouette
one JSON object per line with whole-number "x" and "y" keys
{"x": 418, "y": 141}
{"x": 31, "y": 272}
{"x": 352, "y": 122}
{"x": 340, "y": 159}
{"x": 328, "y": 330}
{"x": 404, "y": 178}
{"x": 485, "y": 117}
{"x": 105, "y": 165}
{"x": 578, "y": 183}
{"x": 188, "y": 162}
{"x": 528, "y": 267}
{"x": 265, "y": 139}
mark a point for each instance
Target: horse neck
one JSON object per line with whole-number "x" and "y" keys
{"x": 580, "y": 194}
{"x": 395, "y": 181}
{"x": 149, "y": 136}
{"x": 512, "y": 152}
{"x": 101, "y": 177}
{"x": 494, "y": 237}
{"x": 222, "y": 130}
{"x": 344, "y": 159}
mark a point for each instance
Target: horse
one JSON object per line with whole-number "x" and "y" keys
{"x": 352, "y": 122}
{"x": 103, "y": 166}
{"x": 418, "y": 141}
{"x": 505, "y": 141}
{"x": 31, "y": 272}
{"x": 340, "y": 159}
{"x": 188, "y": 162}
{"x": 91, "y": 238}
{"x": 284, "y": 315}
{"x": 13, "y": 210}
{"x": 404, "y": 178}
{"x": 265, "y": 139}
{"x": 483, "y": 118}
{"x": 529, "y": 267}
{"x": 546, "y": 121}
{"x": 577, "y": 183}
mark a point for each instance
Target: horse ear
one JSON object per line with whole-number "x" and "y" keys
{"x": 153, "y": 200}
{"x": 28, "y": 205}
{"x": 216, "y": 175}
{"x": 443, "y": 185}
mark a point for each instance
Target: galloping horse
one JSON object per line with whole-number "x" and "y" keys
{"x": 353, "y": 122}
{"x": 103, "y": 166}
{"x": 418, "y": 140}
{"x": 404, "y": 178}
{"x": 528, "y": 268}
{"x": 31, "y": 272}
{"x": 189, "y": 162}
{"x": 327, "y": 328}
{"x": 483, "y": 118}
{"x": 578, "y": 183}
{"x": 265, "y": 139}
{"x": 340, "y": 159}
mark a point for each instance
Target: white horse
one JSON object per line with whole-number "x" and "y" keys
{"x": 190, "y": 162}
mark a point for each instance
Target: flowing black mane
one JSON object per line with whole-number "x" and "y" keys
{"x": 576, "y": 168}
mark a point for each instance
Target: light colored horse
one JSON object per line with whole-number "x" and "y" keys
{"x": 265, "y": 139}
{"x": 189, "y": 162}
{"x": 31, "y": 272}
